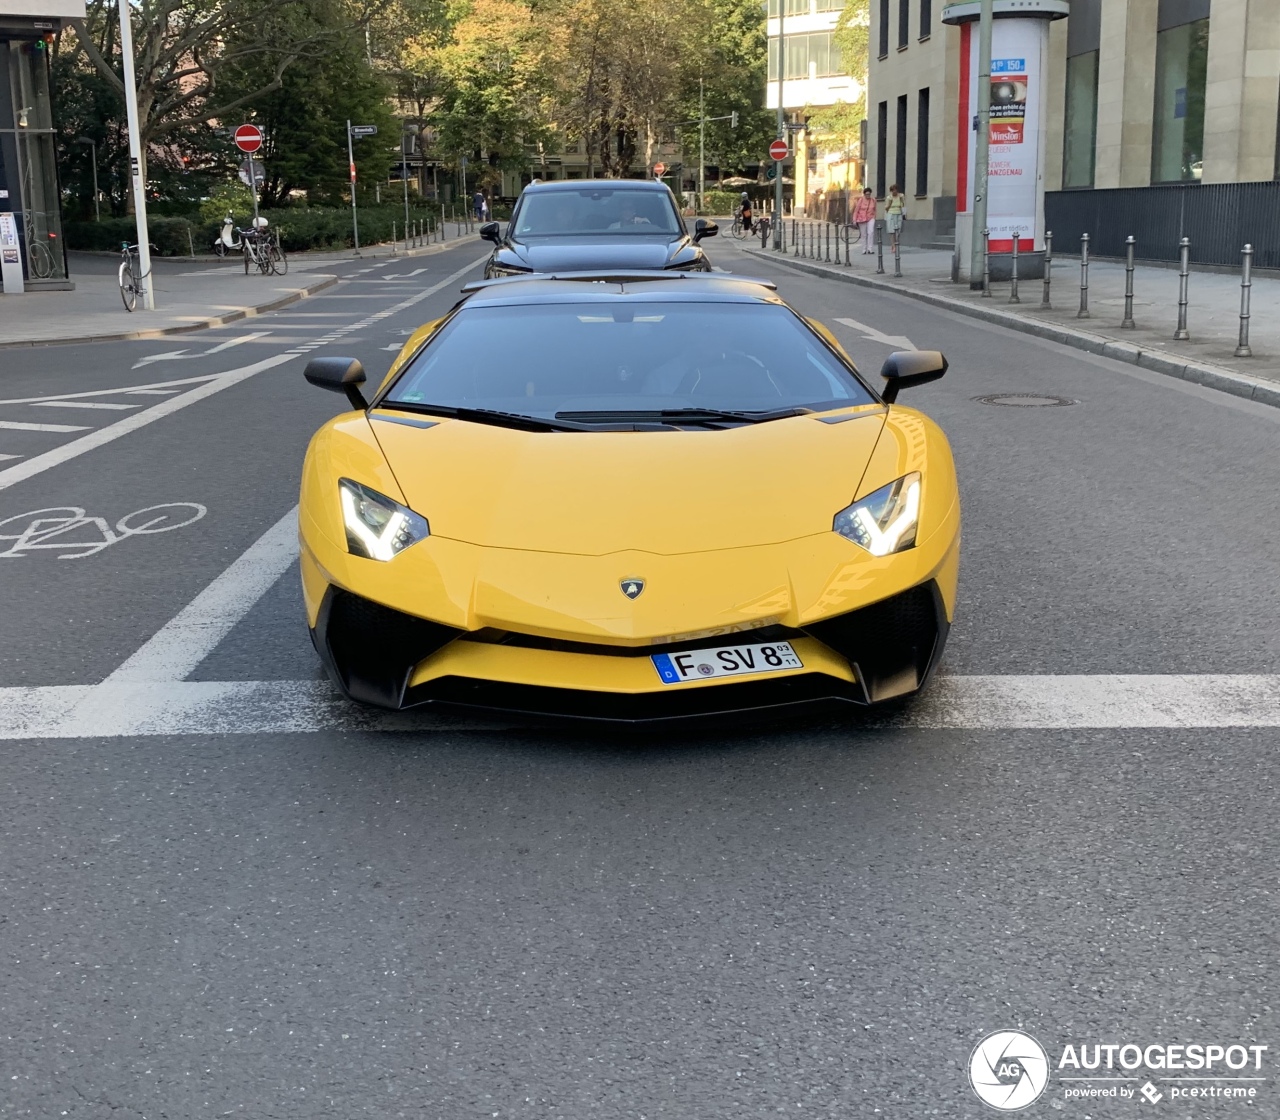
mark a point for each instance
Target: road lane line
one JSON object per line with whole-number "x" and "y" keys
{"x": 3, "y": 457}
{"x": 10, "y": 476}
{"x": 17, "y": 426}
{"x": 84, "y": 404}
{"x": 149, "y": 387}
{"x": 175, "y": 650}
{"x": 119, "y": 707}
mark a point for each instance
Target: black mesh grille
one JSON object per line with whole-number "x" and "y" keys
{"x": 893, "y": 643}
{"x": 371, "y": 648}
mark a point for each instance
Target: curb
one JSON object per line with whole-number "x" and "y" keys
{"x": 1199, "y": 373}
{"x": 183, "y": 328}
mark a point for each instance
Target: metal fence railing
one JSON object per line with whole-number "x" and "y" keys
{"x": 1217, "y": 218}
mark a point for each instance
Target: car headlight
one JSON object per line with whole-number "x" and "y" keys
{"x": 378, "y": 528}
{"x": 499, "y": 270}
{"x": 884, "y": 522}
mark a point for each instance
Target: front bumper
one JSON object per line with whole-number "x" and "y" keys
{"x": 384, "y": 657}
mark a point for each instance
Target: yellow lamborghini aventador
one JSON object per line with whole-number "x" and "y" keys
{"x": 628, "y": 497}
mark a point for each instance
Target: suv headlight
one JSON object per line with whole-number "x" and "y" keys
{"x": 378, "y": 527}
{"x": 884, "y": 522}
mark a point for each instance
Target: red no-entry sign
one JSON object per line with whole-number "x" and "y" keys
{"x": 248, "y": 137}
{"x": 779, "y": 150}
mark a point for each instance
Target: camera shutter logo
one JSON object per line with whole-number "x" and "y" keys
{"x": 1009, "y": 1070}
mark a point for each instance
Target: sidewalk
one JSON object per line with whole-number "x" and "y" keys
{"x": 1207, "y": 358}
{"x": 190, "y": 295}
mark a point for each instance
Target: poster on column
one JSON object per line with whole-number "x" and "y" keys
{"x": 1015, "y": 158}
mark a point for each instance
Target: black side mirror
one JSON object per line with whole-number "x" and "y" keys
{"x": 704, "y": 227}
{"x": 489, "y": 231}
{"x": 905, "y": 368}
{"x": 340, "y": 375}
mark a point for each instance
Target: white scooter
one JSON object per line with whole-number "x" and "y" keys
{"x": 227, "y": 239}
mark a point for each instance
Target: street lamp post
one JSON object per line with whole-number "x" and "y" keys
{"x": 351, "y": 162}
{"x": 982, "y": 145}
{"x": 93, "y": 155}
{"x": 404, "y": 176}
{"x": 135, "y": 157}
{"x": 782, "y": 124}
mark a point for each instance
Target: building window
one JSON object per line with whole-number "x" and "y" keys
{"x": 1081, "y": 126}
{"x": 808, "y": 56}
{"x": 831, "y": 5}
{"x": 900, "y": 150}
{"x": 794, "y": 8}
{"x": 1178, "y": 143}
{"x": 882, "y": 148}
{"x": 926, "y": 18}
{"x": 904, "y": 23}
{"x": 884, "y": 28}
{"x": 922, "y": 143}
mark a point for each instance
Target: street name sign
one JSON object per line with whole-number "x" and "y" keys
{"x": 248, "y": 137}
{"x": 358, "y": 130}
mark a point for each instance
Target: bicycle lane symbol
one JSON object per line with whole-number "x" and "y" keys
{"x": 69, "y": 531}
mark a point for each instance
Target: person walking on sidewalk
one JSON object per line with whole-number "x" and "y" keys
{"x": 864, "y": 217}
{"x": 895, "y": 211}
{"x": 477, "y": 204}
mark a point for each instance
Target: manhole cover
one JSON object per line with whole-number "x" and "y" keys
{"x": 1025, "y": 400}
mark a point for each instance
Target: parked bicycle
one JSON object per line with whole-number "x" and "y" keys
{"x": 132, "y": 278}
{"x": 261, "y": 248}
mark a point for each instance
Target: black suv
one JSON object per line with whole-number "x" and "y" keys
{"x": 586, "y": 225}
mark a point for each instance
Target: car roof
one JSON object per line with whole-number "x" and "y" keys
{"x": 548, "y": 185}
{"x": 680, "y": 287}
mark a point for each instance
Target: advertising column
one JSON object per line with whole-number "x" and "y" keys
{"x": 1015, "y": 184}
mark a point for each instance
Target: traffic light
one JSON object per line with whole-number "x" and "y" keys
{"x": 733, "y": 119}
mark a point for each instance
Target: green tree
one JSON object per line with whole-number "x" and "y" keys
{"x": 839, "y": 126}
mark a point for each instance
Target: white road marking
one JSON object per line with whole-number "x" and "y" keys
{"x": 16, "y": 426}
{"x": 396, "y": 349}
{"x": 83, "y": 404}
{"x": 174, "y": 650}
{"x": 404, "y": 275}
{"x": 183, "y": 355}
{"x": 119, "y": 707}
{"x": 2, "y": 457}
{"x": 150, "y": 392}
{"x": 150, "y": 387}
{"x": 238, "y": 340}
{"x": 894, "y": 341}
{"x": 170, "y": 355}
{"x": 211, "y": 385}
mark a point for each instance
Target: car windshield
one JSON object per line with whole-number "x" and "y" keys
{"x": 593, "y": 211}
{"x": 591, "y": 362}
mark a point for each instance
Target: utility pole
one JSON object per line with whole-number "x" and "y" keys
{"x": 351, "y": 161}
{"x": 135, "y": 157}
{"x": 702, "y": 146}
{"x": 782, "y": 122}
{"x": 404, "y": 176}
{"x": 982, "y": 147}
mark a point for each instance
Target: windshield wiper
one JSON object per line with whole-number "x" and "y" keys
{"x": 517, "y": 420}
{"x": 683, "y": 416}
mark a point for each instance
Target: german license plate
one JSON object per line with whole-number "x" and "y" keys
{"x": 726, "y": 661}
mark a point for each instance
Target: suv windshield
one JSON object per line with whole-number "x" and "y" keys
{"x": 596, "y": 362}
{"x": 596, "y": 211}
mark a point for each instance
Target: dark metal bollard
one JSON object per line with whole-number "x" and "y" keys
{"x": 1013, "y": 276}
{"x": 794, "y": 232}
{"x": 827, "y": 238}
{"x": 1184, "y": 275}
{"x": 879, "y": 246}
{"x": 986, "y": 264}
{"x": 1243, "y": 350}
{"x": 1083, "y": 313}
{"x": 1048, "y": 266}
{"x": 442, "y": 221}
{"x": 1127, "y": 322}
{"x": 897, "y": 255}
{"x": 394, "y": 242}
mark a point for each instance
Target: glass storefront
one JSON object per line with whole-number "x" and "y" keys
{"x": 27, "y": 149}
{"x": 1177, "y": 150}
{"x": 1081, "y": 123}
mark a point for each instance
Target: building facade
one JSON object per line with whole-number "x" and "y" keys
{"x": 29, "y": 189}
{"x": 814, "y": 77}
{"x": 1139, "y": 93}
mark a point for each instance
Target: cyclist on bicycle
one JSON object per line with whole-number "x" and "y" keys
{"x": 744, "y": 211}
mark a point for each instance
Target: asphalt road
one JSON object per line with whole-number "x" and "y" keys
{"x": 460, "y": 920}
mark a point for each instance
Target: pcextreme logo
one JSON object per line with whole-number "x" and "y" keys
{"x": 1009, "y": 1070}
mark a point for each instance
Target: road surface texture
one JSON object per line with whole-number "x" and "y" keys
{"x": 226, "y": 893}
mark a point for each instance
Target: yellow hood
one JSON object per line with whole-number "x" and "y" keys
{"x": 595, "y": 493}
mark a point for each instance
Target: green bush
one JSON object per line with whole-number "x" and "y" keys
{"x": 720, "y": 202}
{"x": 168, "y": 235}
